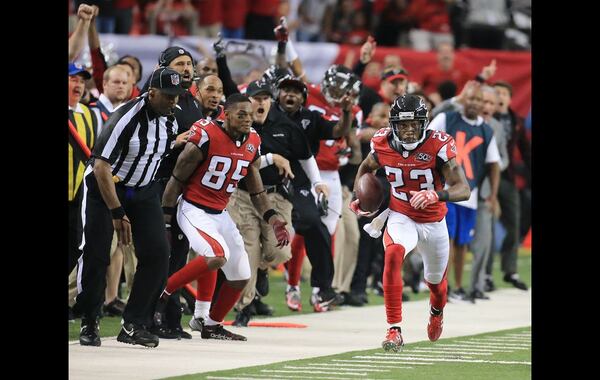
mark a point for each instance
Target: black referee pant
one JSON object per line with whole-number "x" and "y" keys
{"x": 143, "y": 208}
{"x": 74, "y": 229}
{"x": 180, "y": 247}
{"x": 307, "y": 222}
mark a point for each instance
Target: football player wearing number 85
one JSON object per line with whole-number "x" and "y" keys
{"x": 218, "y": 155}
{"x": 416, "y": 162}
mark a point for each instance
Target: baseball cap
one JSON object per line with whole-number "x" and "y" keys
{"x": 392, "y": 74}
{"x": 292, "y": 81}
{"x": 76, "y": 68}
{"x": 167, "y": 81}
{"x": 170, "y": 53}
{"x": 258, "y": 87}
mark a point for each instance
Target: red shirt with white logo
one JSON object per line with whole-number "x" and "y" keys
{"x": 327, "y": 158}
{"x": 225, "y": 163}
{"x": 416, "y": 170}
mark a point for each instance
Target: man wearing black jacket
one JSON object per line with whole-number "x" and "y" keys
{"x": 280, "y": 138}
{"x": 189, "y": 109}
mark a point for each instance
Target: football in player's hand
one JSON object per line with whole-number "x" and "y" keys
{"x": 369, "y": 192}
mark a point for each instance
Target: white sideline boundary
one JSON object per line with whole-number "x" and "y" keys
{"x": 343, "y": 330}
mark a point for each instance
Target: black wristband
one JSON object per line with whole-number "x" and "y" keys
{"x": 281, "y": 47}
{"x": 169, "y": 210}
{"x": 260, "y": 192}
{"x": 118, "y": 212}
{"x": 268, "y": 214}
{"x": 443, "y": 195}
{"x": 479, "y": 78}
{"x": 177, "y": 179}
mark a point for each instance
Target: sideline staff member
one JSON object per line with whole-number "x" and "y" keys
{"x": 133, "y": 142}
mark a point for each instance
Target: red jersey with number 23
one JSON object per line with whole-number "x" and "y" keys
{"x": 225, "y": 163}
{"x": 416, "y": 170}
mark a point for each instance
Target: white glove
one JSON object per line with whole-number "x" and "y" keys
{"x": 374, "y": 228}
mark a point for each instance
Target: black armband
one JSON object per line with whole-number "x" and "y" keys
{"x": 260, "y": 192}
{"x": 268, "y": 214}
{"x": 177, "y": 179}
{"x": 480, "y": 79}
{"x": 118, "y": 212}
{"x": 169, "y": 210}
{"x": 281, "y": 47}
{"x": 443, "y": 195}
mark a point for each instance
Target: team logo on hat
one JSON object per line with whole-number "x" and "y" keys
{"x": 175, "y": 79}
{"x": 181, "y": 51}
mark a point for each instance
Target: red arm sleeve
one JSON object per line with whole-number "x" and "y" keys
{"x": 99, "y": 66}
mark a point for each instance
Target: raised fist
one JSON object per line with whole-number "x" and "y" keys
{"x": 219, "y": 47}
{"x": 281, "y": 31}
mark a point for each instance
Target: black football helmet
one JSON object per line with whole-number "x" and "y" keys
{"x": 337, "y": 81}
{"x": 273, "y": 74}
{"x": 409, "y": 107}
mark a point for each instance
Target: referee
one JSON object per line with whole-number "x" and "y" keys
{"x": 120, "y": 195}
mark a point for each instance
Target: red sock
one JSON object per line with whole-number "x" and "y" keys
{"x": 193, "y": 270}
{"x": 295, "y": 263}
{"x": 392, "y": 282}
{"x": 206, "y": 286}
{"x": 438, "y": 293}
{"x": 228, "y": 296}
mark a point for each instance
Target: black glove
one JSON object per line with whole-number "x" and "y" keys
{"x": 219, "y": 47}
{"x": 322, "y": 205}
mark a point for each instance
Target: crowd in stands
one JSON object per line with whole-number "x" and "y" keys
{"x": 335, "y": 122}
{"x": 416, "y": 24}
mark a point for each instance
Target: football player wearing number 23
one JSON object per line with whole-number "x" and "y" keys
{"x": 423, "y": 174}
{"x": 216, "y": 156}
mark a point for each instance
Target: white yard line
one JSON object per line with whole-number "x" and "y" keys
{"x": 355, "y": 365}
{"x": 343, "y": 369}
{"x": 313, "y": 371}
{"x": 377, "y": 361}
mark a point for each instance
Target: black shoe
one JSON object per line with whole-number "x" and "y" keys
{"x": 114, "y": 308}
{"x": 132, "y": 334}
{"x": 218, "y": 332}
{"x": 514, "y": 280}
{"x": 489, "y": 285}
{"x": 190, "y": 302}
{"x": 352, "y": 299}
{"x": 164, "y": 332}
{"x": 88, "y": 336}
{"x": 262, "y": 308}
{"x": 479, "y": 295}
{"x": 325, "y": 300}
{"x": 242, "y": 317}
{"x": 182, "y": 333}
{"x": 262, "y": 282}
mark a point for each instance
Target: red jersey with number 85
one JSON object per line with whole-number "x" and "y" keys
{"x": 416, "y": 170}
{"x": 225, "y": 163}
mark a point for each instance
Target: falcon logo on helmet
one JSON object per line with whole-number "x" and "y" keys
{"x": 408, "y": 108}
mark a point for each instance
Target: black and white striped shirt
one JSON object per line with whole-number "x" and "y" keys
{"x": 134, "y": 141}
